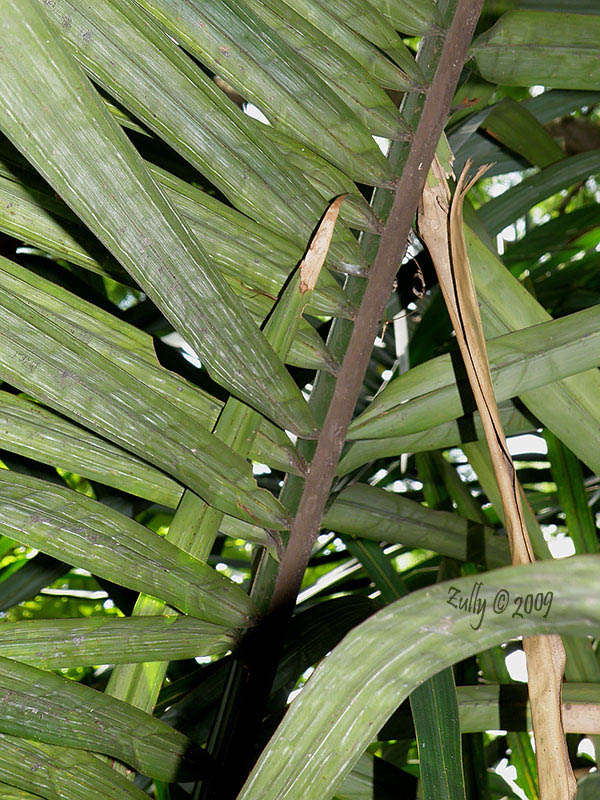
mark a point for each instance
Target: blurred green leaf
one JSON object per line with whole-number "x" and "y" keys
{"x": 516, "y": 128}
{"x": 499, "y": 212}
{"x": 552, "y": 48}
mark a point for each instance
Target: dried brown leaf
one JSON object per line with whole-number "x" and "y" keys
{"x": 441, "y": 227}
{"x": 312, "y": 262}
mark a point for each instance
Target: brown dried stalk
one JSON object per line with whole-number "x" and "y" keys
{"x": 441, "y": 228}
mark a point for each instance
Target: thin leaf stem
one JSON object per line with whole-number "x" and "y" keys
{"x": 389, "y": 255}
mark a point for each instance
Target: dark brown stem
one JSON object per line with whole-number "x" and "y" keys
{"x": 389, "y": 256}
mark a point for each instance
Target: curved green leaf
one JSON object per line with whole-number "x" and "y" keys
{"x": 380, "y": 662}
{"x": 45, "y": 707}
{"x": 72, "y": 527}
{"x": 513, "y": 125}
{"x": 118, "y": 200}
{"x": 433, "y": 704}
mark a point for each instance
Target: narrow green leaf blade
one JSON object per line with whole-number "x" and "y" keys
{"x": 119, "y": 201}
{"x": 46, "y": 707}
{"x": 13, "y": 793}
{"x": 552, "y": 236}
{"x": 367, "y": 512}
{"x": 449, "y": 434}
{"x": 433, "y": 704}
{"x": 496, "y": 706}
{"x": 432, "y": 393}
{"x": 438, "y": 736}
{"x": 30, "y": 430}
{"x": 327, "y": 179}
{"x": 499, "y": 212}
{"x": 568, "y": 476}
{"x": 70, "y": 526}
{"x": 515, "y": 127}
{"x": 61, "y": 643}
{"x": 365, "y": 20}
